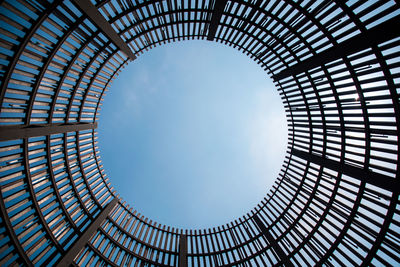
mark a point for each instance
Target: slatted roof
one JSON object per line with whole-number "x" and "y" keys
{"x": 336, "y": 66}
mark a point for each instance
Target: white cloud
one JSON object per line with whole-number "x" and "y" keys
{"x": 268, "y": 135}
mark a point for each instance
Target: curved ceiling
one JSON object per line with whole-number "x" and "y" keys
{"x": 335, "y": 65}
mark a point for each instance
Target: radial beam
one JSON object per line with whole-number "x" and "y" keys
{"x": 69, "y": 257}
{"x": 22, "y": 131}
{"x": 285, "y": 260}
{"x": 377, "y": 179}
{"x": 97, "y": 18}
{"x": 216, "y": 17}
{"x": 183, "y": 262}
{"x": 379, "y": 34}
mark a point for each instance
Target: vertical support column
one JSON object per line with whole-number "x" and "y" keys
{"x": 284, "y": 259}
{"x": 93, "y": 13}
{"x": 69, "y": 257}
{"x": 376, "y": 35}
{"x": 183, "y": 262}
{"x": 219, "y": 7}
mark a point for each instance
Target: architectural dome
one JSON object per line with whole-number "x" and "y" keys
{"x": 336, "y": 66}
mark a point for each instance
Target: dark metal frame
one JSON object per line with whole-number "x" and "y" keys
{"x": 70, "y": 255}
{"x": 335, "y": 65}
{"x": 12, "y": 132}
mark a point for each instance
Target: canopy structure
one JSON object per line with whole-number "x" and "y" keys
{"x": 336, "y": 66}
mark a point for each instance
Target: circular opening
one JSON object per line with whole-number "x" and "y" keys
{"x": 192, "y": 134}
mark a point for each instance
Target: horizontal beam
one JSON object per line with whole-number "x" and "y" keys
{"x": 98, "y": 19}
{"x": 382, "y": 131}
{"x": 219, "y": 7}
{"x": 281, "y": 254}
{"x": 377, "y": 179}
{"x": 21, "y": 131}
{"x": 379, "y": 34}
{"x": 69, "y": 257}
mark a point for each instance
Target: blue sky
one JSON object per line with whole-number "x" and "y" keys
{"x": 192, "y": 134}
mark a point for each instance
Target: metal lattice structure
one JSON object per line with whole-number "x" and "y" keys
{"x": 336, "y": 65}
